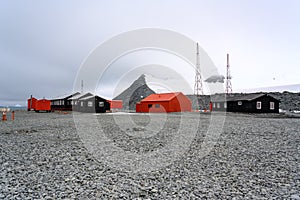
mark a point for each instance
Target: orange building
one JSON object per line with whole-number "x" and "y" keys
{"x": 165, "y": 102}
{"x": 31, "y": 102}
{"x": 38, "y": 104}
{"x": 43, "y": 105}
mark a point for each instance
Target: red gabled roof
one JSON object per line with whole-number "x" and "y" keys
{"x": 161, "y": 97}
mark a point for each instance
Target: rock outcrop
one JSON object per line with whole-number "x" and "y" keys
{"x": 135, "y": 93}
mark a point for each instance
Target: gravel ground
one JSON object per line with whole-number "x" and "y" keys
{"x": 255, "y": 157}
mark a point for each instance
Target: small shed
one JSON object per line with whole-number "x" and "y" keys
{"x": 165, "y": 102}
{"x": 31, "y": 103}
{"x": 93, "y": 104}
{"x": 62, "y": 102}
{"x": 247, "y": 103}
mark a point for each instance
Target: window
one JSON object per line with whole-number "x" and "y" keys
{"x": 90, "y": 103}
{"x": 225, "y": 104}
{"x": 218, "y": 105}
{"x": 240, "y": 103}
{"x": 75, "y": 102}
{"x": 101, "y": 104}
{"x": 61, "y": 102}
{"x": 272, "y": 105}
{"x": 149, "y": 105}
{"x": 258, "y": 105}
{"x": 157, "y": 105}
{"x": 214, "y": 105}
{"x": 81, "y": 103}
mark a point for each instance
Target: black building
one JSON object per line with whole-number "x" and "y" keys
{"x": 62, "y": 102}
{"x": 246, "y": 103}
{"x": 93, "y": 104}
{"x": 75, "y": 103}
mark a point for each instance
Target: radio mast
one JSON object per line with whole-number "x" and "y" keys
{"x": 198, "y": 89}
{"x": 228, "y": 88}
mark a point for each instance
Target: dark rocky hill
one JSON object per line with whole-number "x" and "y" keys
{"x": 136, "y": 91}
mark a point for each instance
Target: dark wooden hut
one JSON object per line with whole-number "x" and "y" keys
{"x": 75, "y": 101}
{"x": 247, "y": 103}
{"x": 93, "y": 104}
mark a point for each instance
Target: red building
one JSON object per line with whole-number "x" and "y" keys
{"x": 165, "y": 102}
{"x": 31, "y": 102}
{"x": 43, "y": 105}
{"x": 38, "y": 104}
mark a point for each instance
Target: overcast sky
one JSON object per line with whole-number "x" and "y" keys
{"x": 44, "y": 43}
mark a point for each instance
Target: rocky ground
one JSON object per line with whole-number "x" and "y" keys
{"x": 254, "y": 157}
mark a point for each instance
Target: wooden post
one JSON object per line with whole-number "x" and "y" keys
{"x": 13, "y": 115}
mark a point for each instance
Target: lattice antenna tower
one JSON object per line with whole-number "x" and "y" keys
{"x": 198, "y": 89}
{"x": 81, "y": 86}
{"x": 228, "y": 88}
